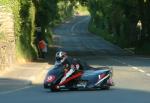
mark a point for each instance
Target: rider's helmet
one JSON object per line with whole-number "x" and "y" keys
{"x": 61, "y": 56}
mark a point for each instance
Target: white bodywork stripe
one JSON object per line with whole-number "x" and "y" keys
{"x": 102, "y": 79}
{"x": 67, "y": 75}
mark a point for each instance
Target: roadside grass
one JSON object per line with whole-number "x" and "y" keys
{"x": 25, "y": 53}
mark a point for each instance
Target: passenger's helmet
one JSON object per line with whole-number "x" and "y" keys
{"x": 61, "y": 56}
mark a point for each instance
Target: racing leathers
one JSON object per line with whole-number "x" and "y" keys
{"x": 70, "y": 66}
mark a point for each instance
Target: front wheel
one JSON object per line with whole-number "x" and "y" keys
{"x": 54, "y": 89}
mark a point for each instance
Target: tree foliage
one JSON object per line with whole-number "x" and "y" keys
{"x": 50, "y": 11}
{"x": 29, "y": 14}
{"x": 118, "y": 20}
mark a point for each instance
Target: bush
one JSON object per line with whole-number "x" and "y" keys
{"x": 143, "y": 49}
{"x": 24, "y": 26}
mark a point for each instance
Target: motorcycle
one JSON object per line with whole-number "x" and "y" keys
{"x": 88, "y": 78}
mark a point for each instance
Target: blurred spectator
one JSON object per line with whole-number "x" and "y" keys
{"x": 43, "y": 48}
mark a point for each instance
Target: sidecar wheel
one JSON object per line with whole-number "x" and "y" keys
{"x": 73, "y": 89}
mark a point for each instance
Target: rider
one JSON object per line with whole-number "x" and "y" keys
{"x": 70, "y": 65}
{"x": 67, "y": 61}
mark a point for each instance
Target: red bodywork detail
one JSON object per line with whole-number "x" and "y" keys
{"x": 71, "y": 78}
{"x": 102, "y": 75}
{"x": 50, "y": 78}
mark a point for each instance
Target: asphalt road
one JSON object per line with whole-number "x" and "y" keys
{"x": 131, "y": 73}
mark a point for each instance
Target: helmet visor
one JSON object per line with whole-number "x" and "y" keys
{"x": 58, "y": 59}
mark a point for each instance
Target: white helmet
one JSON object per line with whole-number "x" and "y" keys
{"x": 61, "y": 56}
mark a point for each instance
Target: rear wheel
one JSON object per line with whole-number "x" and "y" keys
{"x": 105, "y": 87}
{"x": 73, "y": 89}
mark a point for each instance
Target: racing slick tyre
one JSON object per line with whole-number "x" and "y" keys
{"x": 105, "y": 87}
{"x": 54, "y": 89}
{"x": 73, "y": 89}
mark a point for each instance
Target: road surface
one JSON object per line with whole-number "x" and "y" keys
{"x": 131, "y": 73}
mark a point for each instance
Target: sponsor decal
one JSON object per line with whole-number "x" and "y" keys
{"x": 50, "y": 78}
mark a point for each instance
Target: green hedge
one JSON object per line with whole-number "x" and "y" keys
{"x": 27, "y": 16}
{"x": 24, "y": 13}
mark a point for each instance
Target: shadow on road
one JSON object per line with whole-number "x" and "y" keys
{"x": 9, "y": 84}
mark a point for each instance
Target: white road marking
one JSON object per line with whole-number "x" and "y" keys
{"x": 133, "y": 67}
{"x": 140, "y": 70}
{"x": 15, "y": 90}
{"x": 148, "y": 74}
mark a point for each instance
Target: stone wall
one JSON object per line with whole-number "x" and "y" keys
{"x": 7, "y": 40}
